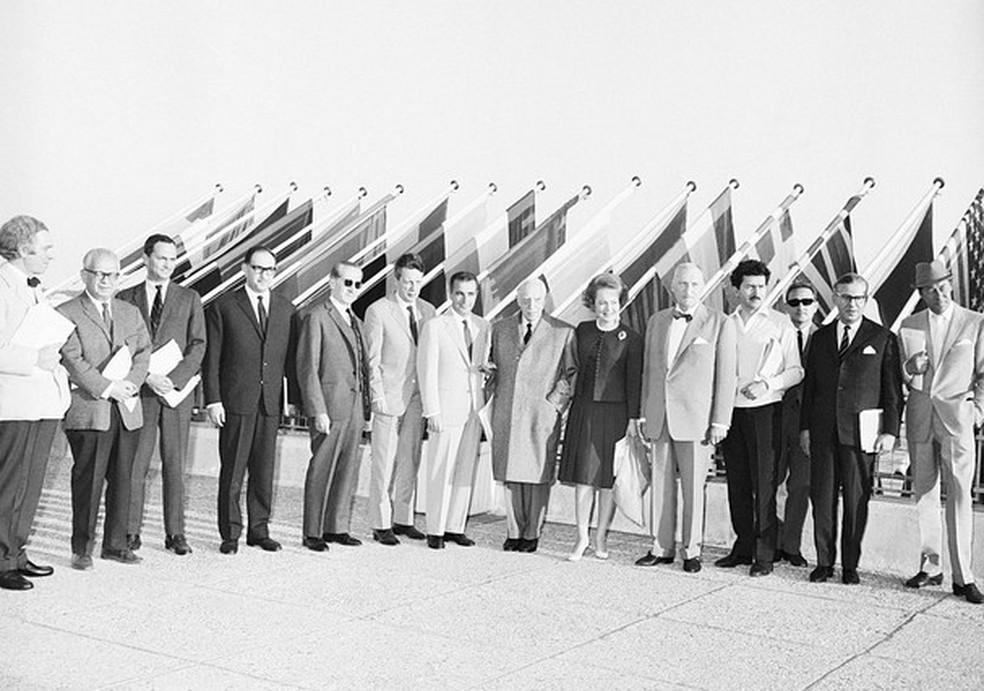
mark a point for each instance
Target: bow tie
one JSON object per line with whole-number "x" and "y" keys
{"x": 33, "y": 282}
{"x": 682, "y": 315}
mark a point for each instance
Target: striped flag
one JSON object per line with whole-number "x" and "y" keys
{"x": 522, "y": 218}
{"x": 459, "y": 231}
{"x": 712, "y": 243}
{"x": 833, "y": 258}
{"x": 775, "y": 247}
{"x": 967, "y": 260}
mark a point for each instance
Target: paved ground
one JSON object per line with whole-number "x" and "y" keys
{"x": 476, "y": 617}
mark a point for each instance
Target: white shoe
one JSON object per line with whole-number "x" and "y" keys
{"x": 578, "y": 551}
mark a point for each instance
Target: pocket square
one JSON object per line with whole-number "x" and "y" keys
{"x": 963, "y": 342}
{"x": 700, "y": 341}
{"x": 869, "y": 350}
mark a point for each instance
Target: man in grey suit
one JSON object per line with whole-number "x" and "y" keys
{"x": 534, "y": 358}
{"x": 171, "y": 313}
{"x": 392, "y": 328}
{"x": 334, "y": 376}
{"x": 103, "y": 422}
{"x": 33, "y": 397}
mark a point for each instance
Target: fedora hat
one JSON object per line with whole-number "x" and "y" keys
{"x": 930, "y": 273}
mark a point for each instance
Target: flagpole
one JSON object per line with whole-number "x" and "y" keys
{"x": 586, "y": 233}
{"x": 780, "y": 288}
{"x": 721, "y": 274}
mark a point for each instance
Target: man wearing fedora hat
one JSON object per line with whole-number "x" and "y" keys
{"x": 943, "y": 367}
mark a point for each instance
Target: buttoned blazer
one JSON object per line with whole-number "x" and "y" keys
{"x": 242, "y": 369}
{"x": 182, "y": 320}
{"x": 27, "y": 392}
{"x": 87, "y": 351}
{"x": 698, "y": 388}
{"x": 836, "y": 389}
{"x": 953, "y": 385}
{"x": 792, "y": 399}
{"x": 451, "y": 381}
{"x": 533, "y": 385}
{"x": 392, "y": 354}
{"x": 327, "y": 363}
{"x": 618, "y": 369}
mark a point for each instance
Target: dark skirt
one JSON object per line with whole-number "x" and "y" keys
{"x": 593, "y": 427}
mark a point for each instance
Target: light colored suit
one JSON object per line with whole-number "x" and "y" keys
{"x": 682, "y": 396}
{"x": 397, "y": 423}
{"x": 451, "y": 386}
{"x": 944, "y": 404}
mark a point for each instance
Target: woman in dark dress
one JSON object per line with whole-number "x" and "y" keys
{"x": 605, "y": 407}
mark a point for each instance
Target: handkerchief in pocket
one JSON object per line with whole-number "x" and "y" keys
{"x": 869, "y": 350}
{"x": 700, "y": 341}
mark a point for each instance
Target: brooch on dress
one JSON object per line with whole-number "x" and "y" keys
{"x": 621, "y": 335}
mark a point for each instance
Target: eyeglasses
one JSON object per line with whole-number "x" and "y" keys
{"x": 261, "y": 270}
{"x": 104, "y": 275}
{"x": 349, "y": 283}
{"x": 796, "y": 302}
{"x": 851, "y": 298}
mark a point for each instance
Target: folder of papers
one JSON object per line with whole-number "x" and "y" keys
{"x": 43, "y": 326}
{"x": 117, "y": 368}
{"x": 870, "y": 424}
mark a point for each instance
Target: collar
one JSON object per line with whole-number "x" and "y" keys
{"x": 152, "y": 288}
{"x": 946, "y": 316}
{"x": 99, "y": 303}
{"x": 341, "y": 307}
{"x": 404, "y": 304}
{"x": 252, "y": 295}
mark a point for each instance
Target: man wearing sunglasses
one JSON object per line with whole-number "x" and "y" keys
{"x": 251, "y": 336}
{"x": 334, "y": 377}
{"x": 852, "y": 367}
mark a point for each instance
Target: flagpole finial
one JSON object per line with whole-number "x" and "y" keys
{"x": 869, "y": 182}
{"x": 258, "y": 188}
{"x": 398, "y": 188}
{"x": 326, "y": 190}
{"x": 691, "y": 185}
{"x": 219, "y": 188}
{"x": 733, "y": 183}
{"x": 797, "y": 189}
{"x": 540, "y": 185}
{"x": 293, "y": 186}
{"x": 636, "y": 180}
{"x": 585, "y": 191}
{"x": 493, "y": 188}
{"x": 363, "y": 192}
{"x": 454, "y": 185}
{"x": 939, "y": 182}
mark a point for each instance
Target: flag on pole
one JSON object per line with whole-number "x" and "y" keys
{"x": 522, "y": 218}
{"x": 710, "y": 242}
{"x": 834, "y": 258}
{"x": 459, "y": 231}
{"x": 775, "y": 247}
{"x": 173, "y": 228}
{"x": 966, "y": 260}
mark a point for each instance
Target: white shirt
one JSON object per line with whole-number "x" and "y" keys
{"x": 151, "y": 289}
{"x": 522, "y": 327}
{"x": 99, "y": 304}
{"x": 253, "y": 300}
{"x": 851, "y": 334}
{"x": 675, "y": 336}
{"x": 404, "y": 306}
{"x": 939, "y": 324}
{"x": 767, "y": 353}
{"x": 343, "y": 308}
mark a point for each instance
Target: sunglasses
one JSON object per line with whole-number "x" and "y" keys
{"x": 349, "y": 283}
{"x": 796, "y": 302}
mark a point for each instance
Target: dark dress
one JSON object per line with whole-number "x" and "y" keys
{"x": 607, "y": 394}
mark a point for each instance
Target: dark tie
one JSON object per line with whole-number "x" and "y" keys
{"x": 33, "y": 282}
{"x": 107, "y": 318}
{"x": 799, "y": 342}
{"x": 155, "y": 312}
{"x": 468, "y": 337}
{"x": 682, "y": 315}
{"x": 529, "y": 333}
{"x": 413, "y": 325}
{"x": 261, "y": 311}
{"x": 845, "y": 341}
{"x": 361, "y": 368}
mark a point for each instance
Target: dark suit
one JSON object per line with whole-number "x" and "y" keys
{"x": 835, "y": 390}
{"x": 244, "y": 370}
{"x": 793, "y": 466}
{"x": 183, "y": 321}
{"x": 101, "y": 432}
{"x": 334, "y": 377}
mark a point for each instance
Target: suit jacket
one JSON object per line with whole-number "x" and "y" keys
{"x": 792, "y": 400}
{"x": 698, "y": 388}
{"x": 392, "y": 353}
{"x": 182, "y": 320}
{"x": 327, "y": 364}
{"x": 27, "y": 392}
{"x": 533, "y": 385}
{"x": 89, "y": 349}
{"x": 618, "y": 369}
{"x": 242, "y": 369}
{"x": 953, "y": 385}
{"x": 836, "y": 389}
{"x": 451, "y": 383}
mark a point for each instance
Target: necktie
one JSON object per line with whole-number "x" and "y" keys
{"x": 799, "y": 341}
{"x": 107, "y": 317}
{"x": 529, "y": 333}
{"x": 155, "y": 311}
{"x": 682, "y": 315}
{"x": 363, "y": 372}
{"x": 261, "y": 310}
{"x": 33, "y": 282}
{"x": 413, "y": 325}
{"x": 845, "y": 341}
{"x": 468, "y": 337}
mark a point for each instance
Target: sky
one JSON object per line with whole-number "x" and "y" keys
{"x": 118, "y": 113}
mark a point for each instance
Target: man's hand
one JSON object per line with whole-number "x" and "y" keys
{"x": 121, "y": 389}
{"x": 805, "y": 442}
{"x": 48, "y": 357}
{"x": 634, "y": 429}
{"x": 435, "y": 424}
{"x": 755, "y": 390}
{"x": 917, "y": 364}
{"x": 715, "y": 434}
{"x": 884, "y": 443}
{"x": 216, "y": 414}
{"x": 160, "y": 384}
{"x": 322, "y": 425}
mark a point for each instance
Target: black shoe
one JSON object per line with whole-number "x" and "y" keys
{"x": 511, "y": 544}
{"x": 459, "y": 539}
{"x": 760, "y": 568}
{"x": 123, "y": 556}
{"x": 651, "y": 559}
{"x": 133, "y": 542}
{"x": 528, "y": 546}
{"x": 794, "y": 559}
{"x": 778, "y": 556}
{"x": 385, "y": 537}
{"x": 177, "y": 544}
{"x": 850, "y": 577}
{"x": 923, "y": 579}
{"x": 343, "y": 539}
{"x": 821, "y": 574}
{"x": 435, "y": 542}
{"x": 32, "y": 570}
{"x": 408, "y": 531}
{"x": 969, "y": 592}
{"x": 315, "y": 544}
{"x": 692, "y": 565}
{"x": 229, "y": 546}
{"x": 14, "y": 580}
{"x": 267, "y": 544}
{"x": 732, "y": 560}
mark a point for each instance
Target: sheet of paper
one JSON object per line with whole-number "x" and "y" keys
{"x": 165, "y": 359}
{"x": 178, "y": 395}
{"x": 771, "y": 360}
{"x": 913, "y": 341}
{"x": 870, "y": 425}
{"x": 43, "y": 326}
{"x": 485, "y": 417}
{"x": 117, "y": 368}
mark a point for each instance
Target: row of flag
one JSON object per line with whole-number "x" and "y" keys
{"x": 308, "y": 238}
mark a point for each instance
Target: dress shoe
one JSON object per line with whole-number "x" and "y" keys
{"x": 850, "y": 577}
{"x": 794, "y": 559}
{"x": 385, "y": 537}
{"x": 528, "y": 546}
{"x": 133, "y": 542}
{"x": 691, "y": 565}
{"x": 732, "y": 560}
{"x": 13, "y": 580}
{"x": 459, "y": 539}
{"x": 969, "y": 592}
{"x": 229, "y": 546}
{"x": 601, "y": 554}
{"x": 435, "y": 542}
{"x": 315, "y": 544}
{"x": 81, "y": 562}
{"x": 123, "y": 556}
{"x": 343, "y": 539}
{"x": 578, "y": 551}
{"x": 267, "y": 544}
{"x": 760, "y": 568}
{"x": 821, "y": 574}
{"x": 177, "y": 544}
{"x": 651, "y": 559}
{"x": 408, "y": 531}
{"x": 923, "y": 579}
{"x": 511, "y": 544}
{"x": 32, "y": 570}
